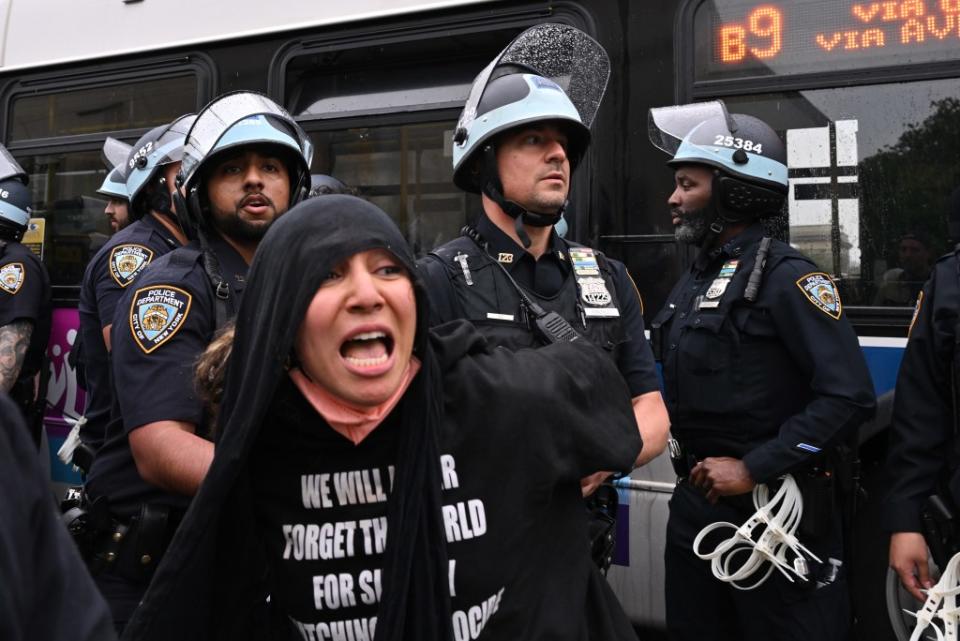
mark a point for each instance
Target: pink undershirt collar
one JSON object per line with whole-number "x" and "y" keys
{"x": 353, "y": 423}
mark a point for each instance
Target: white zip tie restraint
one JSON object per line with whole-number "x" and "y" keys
{"x": 70, "y": 444}
{"x": 766, "y": 536}
{"x": 941, "y": 604}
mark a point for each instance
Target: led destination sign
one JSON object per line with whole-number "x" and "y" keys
{"x": 736, "y": 39}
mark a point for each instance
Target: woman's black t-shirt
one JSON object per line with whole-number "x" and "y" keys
{"x": 519, "y": 566}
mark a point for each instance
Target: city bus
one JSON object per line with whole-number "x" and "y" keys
{"x": 865, "y": 94}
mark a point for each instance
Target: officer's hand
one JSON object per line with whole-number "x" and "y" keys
{"x": 908, "y": 556}
{"x": 589, "y": 484}
{"x": 721, "y": 476}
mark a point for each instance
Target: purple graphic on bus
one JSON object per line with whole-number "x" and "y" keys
{"x": 65, "y": 399}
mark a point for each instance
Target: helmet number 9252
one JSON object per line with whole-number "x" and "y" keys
{"x": 738, "y": 143}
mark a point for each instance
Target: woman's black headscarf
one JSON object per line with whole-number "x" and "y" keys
{"x": 293, "y": 259}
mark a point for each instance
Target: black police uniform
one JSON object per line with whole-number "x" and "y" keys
{"x": 47, "y": 592}
{"x": 464, "y": 281}
{"x": 113, "y": 269}
{"x": 161, "y": 326}
{"x": 922, "y": 459}
{"x": 25, "y": 295}
{"x": 776, "y": 383}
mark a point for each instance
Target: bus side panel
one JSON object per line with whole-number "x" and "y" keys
{"x": 637, "y": 575}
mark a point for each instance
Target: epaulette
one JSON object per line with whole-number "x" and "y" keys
{"x": 182, "y": 260}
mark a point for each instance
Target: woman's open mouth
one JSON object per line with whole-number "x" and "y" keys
{"x": 367, "y": 349}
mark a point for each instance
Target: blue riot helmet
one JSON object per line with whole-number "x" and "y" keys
{"x": 16, "y": 202}
{"x": 115, "y": 154}
{"x": 156, "y": 149}
{"x": 324, "y": 184}
{"x": 549, "y": 73}
{"x": 228, "y": 123}
{"x": 749, "y": 159}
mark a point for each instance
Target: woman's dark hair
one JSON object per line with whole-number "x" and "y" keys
{"x": 211, "y": 370}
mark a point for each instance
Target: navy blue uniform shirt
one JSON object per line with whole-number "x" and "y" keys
{"x": 922, "y": 441}
{"x": 161, "y": 326}
{"x": 112, "y": 271}
{"x": 25, "y": 295}
{"x": 546, "y": 276}
{"x": 772, "y": 382}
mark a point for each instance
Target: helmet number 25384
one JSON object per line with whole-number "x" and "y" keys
{"x": 738, "y": 143}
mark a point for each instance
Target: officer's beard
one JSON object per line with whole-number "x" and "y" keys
{"x": 694, "y": 225}
{"x": 231, "y": 224}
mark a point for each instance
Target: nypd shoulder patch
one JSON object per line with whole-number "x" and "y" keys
{"x": 127, "y": 261}
{"x": 11, "y": 277}
{"x": 157, "y": 314}
{"x": 820, "y": 290}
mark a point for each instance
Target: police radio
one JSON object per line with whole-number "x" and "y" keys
{"x": 550, "y": 327}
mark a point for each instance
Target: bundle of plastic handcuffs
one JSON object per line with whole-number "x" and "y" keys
{"x": 941, "y": 604}
{"x": 767, "y": 536}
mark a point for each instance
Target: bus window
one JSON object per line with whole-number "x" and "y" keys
{"x": 394, "y": 144}
{"x": 405, "y": 170}
{"x": 64, "y": 183}
{"x": 135, "y": 105}
{"x": 871, "y": 170}
{"x": 75, "y": 223}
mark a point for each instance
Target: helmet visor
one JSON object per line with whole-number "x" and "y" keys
{"x": 115, "y": 154}
{"x": 562, "y": 53}
{"x": 668, "y": 126}
{"x": 221, "y": 114}
{"x": 9, "y": 167}
{"x": 170, "y": 144}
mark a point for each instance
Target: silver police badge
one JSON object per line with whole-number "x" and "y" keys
{"x": 594, "y": 291}
{"x": 820, "y": 290}
{"x": 157, "y": 314}
{"x": 11, "y": 277}
{"x": 127, "y": 261}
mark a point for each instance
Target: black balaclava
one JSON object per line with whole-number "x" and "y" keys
{"x": 297, "y": 253}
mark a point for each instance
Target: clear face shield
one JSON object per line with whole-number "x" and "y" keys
{"x": 668, "y": 126}
{"x": 562, "y": 53}
{"x": 170, "y": 144}
{"x": 220, "y": 115}
{"x": 115, "y": 154}
{"x": 10, "y": 168}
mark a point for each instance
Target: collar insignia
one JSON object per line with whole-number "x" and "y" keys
{"x": 11, "y": 277}
{"x": 127, "y": 261}
{"x": 822, "y": 292}
{"x": 505, "y": 257}
{"x": 157, "y": 314}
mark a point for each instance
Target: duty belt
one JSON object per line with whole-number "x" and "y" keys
{"x": 130, "y": 546}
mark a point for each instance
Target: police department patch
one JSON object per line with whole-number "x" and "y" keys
{"x": 11, "y": 277}
{"x": 822, "y": 292}
{"x": 127, "y": 261}
{"x": 157, "y": 313}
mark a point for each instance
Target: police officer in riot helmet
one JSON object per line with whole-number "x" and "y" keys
{"x": 25, "y": 306}
{"x": 519, "y": 140}
{"x": 763, "y": 377}
{"x": 245, "y": 162}
{"x": 923, "y": 483}
{"x": 146, "y": 178}
{"x": 114, "y": 187}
